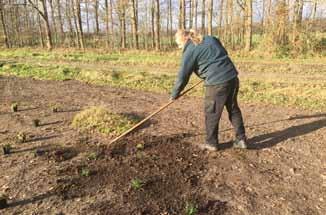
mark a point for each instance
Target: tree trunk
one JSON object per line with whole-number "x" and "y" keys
{"x": 203, "y": 17}
{"x": 220, "y": 19}
{"x": 68, "y": 17}
{"x": 314, "y": 9}
{"x": 45, "y": 17}
{"x": 153, "y": 23}
{"x": 195, "y": 8}
{"x": 80, "y": 25}
{"x": 112, "y": 24}
{"x": 210, "y": 17}
{"x": 87, "y": 15}
{"x": 54, "y": 24}
{"x": 134, "y": 19}
{"x": 182, "y": 15}
{"x": 74, "y": 12}
{"x": 122, "y": 20}
{"x": 170, "y": 22}
{"x": 158, "y": 25}
{"x": 97, "y": 25}
{"x": 60, "y": 20}
{"x": 248, "y": 25}
{"x": 4, "y": 25}
{"x": 297, "y": 19}
{"x": 191, "y": 16}
{"x": 107, "y": 20}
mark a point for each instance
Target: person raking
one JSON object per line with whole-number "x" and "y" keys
{"x": 209, "y": 60}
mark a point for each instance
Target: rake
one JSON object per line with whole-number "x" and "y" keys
{"x": 153, "y": 114}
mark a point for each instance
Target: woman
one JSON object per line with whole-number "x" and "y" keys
{"x": 208, "y": 59}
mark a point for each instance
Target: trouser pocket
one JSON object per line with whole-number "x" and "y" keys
{"x": 210, "y": 106}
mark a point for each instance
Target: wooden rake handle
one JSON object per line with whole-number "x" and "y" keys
{"x": 153, "y": 114}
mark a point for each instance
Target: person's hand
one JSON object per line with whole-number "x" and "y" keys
{"x": 171, "y": 99}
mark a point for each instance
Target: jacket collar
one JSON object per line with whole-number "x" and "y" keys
{"x": 186, "y": 45}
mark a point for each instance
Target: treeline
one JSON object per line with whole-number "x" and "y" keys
{"x": 150, "y": 24}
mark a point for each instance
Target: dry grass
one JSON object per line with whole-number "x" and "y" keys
{"x": 101, "y": 120}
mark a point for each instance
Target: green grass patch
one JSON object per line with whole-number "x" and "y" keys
{"x": 41, "y": 72}
{"x": 286, "y": 82}
{"x": 101, "y": 120}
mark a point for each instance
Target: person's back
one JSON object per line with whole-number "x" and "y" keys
{"x": 214, "y": 64}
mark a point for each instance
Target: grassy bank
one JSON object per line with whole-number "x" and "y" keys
{"x": 299, "y": 83}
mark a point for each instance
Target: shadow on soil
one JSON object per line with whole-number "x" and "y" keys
{"x": 36, "y": 139}
{"x": 27, "y": 109}
{"x": 50, "y": 123}
{"x": 31, "y": 200}
{"x": 274, "y": 138}
{"x": 137, "y": 117}
{"x": 45, "y": 147}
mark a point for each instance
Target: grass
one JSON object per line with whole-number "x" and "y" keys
{"x": 21, "y": 137}
{"x": 101, "y": 120}
{"x": 92, "y": 156}
{"x": 85, "y": 172}
{"x": 191, "y": 209}
{"x": 14, "y": 107}
{"x": 286, "y": 82}
{"x": 137, "y": 184}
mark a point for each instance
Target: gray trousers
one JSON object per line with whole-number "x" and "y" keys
{"x": 216, "y": 97}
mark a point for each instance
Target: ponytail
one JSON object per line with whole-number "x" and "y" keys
{"x": 195, "y": 37}
{"x": 191, "y": 34}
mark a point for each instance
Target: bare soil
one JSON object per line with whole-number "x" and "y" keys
{"x": 59, "y": 170}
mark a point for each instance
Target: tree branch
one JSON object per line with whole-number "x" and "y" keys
{"x": 241, "y": 4}
{"x": 36, "y": 8}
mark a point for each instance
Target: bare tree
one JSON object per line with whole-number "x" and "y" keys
{"x": 107, "y": 20}
{"x": 210, "y": 17}
{"x": 182, "y": 14}
{"x": 79, "y": 24}
{"x": 60, "y": 20}
{"x": 134, "y": 19}
{"x": 297, "y": 19}
{"x": 157, "y": 24}
{"x": 44, "y": 14}
{"x": 87, "y": 14}
{"x": 170, "y": 21}
{"x": 121, "y": 9}
{"x": 96, "y": 8}
{"x": 203, "y": 16}
{"x": 4, "y": 25}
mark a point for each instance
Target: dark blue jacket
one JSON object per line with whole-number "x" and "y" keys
{"x": 208, "y": 60}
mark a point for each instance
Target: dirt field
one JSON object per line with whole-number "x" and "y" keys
{"x": 283, "y": 172}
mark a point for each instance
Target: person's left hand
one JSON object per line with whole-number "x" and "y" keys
{"x": 171, "y": 99}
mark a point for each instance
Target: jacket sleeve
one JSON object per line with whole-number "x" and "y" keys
{"x": 187, "y": 66}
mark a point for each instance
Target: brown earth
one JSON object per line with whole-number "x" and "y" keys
{"x": 59, "y": 170}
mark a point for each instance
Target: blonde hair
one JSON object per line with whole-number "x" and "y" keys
{"x": 182, "y": 35}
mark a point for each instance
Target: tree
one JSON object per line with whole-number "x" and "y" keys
{"x": 79, "y": 24}
{"x": 203, "y": 17}
{"x": 210, "y": 17}
{"x": 97, "y": 25}
{"x": 60, "y": 20}
{"x": 246, "y": 6}
{"x": 4, "y": 25}
{"x": 121, "y": 9}
{"x": 248, "y": 25}
{"x": 107, "y": 20}
{"x": 158, "y": 24}
{"x": 134, "y": 19}
{"x": 182, "y": 14}
{"x": 45, "y": 17}
{"x": 297, "y": 19}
